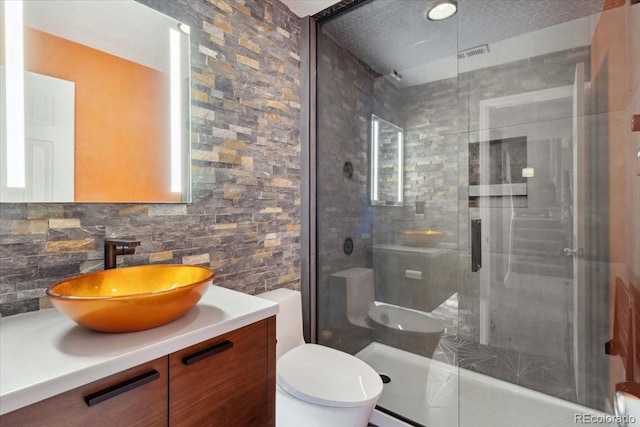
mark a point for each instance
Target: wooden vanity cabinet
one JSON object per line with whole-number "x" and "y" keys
{"x": 135, "y": 397}
{"x": 225, "y": 381}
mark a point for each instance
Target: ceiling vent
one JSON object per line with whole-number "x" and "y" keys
{"x": 474, "y": 51}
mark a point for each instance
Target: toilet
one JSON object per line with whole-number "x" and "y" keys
{"x": 401, "y": 327}
{"x": 406, "y": 328}
{"x": 317, "y": 386}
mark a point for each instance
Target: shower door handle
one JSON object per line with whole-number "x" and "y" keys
{"x": 569, "y": 252}
{"x": 476, "y": 244}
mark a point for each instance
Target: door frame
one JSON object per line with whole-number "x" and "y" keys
{"x": 485, "y": 107}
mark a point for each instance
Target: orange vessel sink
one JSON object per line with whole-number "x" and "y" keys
{"x": 422, "y": 238}
{"x": 132, "y": 298}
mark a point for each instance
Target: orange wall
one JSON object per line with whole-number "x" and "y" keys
{"x": 608, "y": 58}
{"x": 633, "y": 165}
{"x": 122, "y": 154}
{"x": 633, "y": 168}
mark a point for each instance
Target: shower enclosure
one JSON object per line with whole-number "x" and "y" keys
{"x": 462, "y": 209}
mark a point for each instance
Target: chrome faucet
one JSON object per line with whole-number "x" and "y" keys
{"x": 113, "y": 248}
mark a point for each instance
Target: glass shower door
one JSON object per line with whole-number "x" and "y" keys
{"x": 534, "y": 300}
{"x": 388, "y": 241}
{"x": 498, "y": 236}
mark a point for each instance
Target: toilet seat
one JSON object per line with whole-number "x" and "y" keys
{"x": 327, "y": 377}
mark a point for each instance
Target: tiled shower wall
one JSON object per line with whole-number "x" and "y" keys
{"x": 345, "y": 99}
{"x": 244, "y": 220}
{"x": 434, "y": 124}
{"x": 437, "y": 117}
{"x": 386, "y": 105}
{"x": 347, "y": 96}
{"x": 440, "y": 119}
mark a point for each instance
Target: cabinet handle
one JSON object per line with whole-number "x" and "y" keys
{"x": 123, "y": 387}
{"x": 207, "y": 352}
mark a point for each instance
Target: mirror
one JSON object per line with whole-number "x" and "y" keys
{"x": 386, "y": 162}
{"x": 95, "y": 103}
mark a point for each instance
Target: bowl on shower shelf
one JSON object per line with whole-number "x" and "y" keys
{"x": 132, "y": 298}
{"x": 420, "y": 238}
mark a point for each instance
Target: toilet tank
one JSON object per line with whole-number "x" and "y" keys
{"x": 288, "y": 319}
{"x": 354, "y": 291}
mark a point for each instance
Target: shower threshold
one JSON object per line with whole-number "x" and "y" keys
{"x": 431, "y": 393}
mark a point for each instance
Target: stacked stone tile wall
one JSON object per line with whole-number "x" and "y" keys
{"x": 432, "y": 121}
{"x": 440, "y": 119}
{"x": 244, "y": 220}
{"x": 387, "y": 105}
{"x": 345, "y": 100}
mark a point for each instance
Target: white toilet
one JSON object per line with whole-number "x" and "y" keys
{"x": 317, "y": 386}
{"x": 397, "y": 326}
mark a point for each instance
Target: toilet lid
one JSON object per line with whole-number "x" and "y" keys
{"x": 327, "y": 377}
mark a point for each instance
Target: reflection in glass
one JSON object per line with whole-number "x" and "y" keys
{"x": 13, "y": 88}
{"x": 511, "y": 121}
{"x": 176, "y": 119}
{"x": 386, "y": 162}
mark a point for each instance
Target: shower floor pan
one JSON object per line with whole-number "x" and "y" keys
{"x": 434, "y": 394}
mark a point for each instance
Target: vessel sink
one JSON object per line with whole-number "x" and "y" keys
{"x": 422, "y": 238}
{"x": 131, "y": 298}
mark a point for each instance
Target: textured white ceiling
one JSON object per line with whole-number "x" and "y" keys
{"x": 304, "y": 8}
{"x": 394, "y": 34}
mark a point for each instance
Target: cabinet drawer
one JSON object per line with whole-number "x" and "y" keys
{"x": 223, "y": 381}
{"x": 135, "y": 397}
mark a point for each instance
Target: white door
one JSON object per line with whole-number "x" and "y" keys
{"x": 49, "y": 142}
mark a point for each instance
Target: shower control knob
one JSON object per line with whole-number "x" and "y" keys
{"x": 347, "y": 246}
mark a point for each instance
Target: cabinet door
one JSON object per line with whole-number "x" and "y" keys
{"x": 135, "y": 397}
{"x": 224, "y": 381}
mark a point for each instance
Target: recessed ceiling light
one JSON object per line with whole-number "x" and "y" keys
{"x": 442, "y": 10}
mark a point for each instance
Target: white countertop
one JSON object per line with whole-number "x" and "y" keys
{"x": 43, "y": 353}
